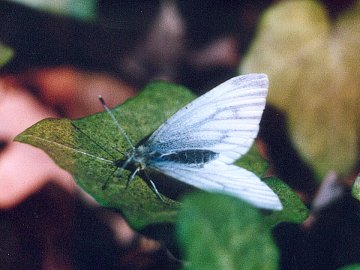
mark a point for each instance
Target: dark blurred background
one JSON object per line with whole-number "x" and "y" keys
{"x": 123, "y": 45}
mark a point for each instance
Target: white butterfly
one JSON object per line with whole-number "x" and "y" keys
{"x": 199, "y": 143}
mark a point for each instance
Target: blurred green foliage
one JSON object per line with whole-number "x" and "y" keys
{"x": 221, "y": 232}
{"x": 356, "y": 188}
{"x": 79, "y": 9}
{"x": 6, "y": 54}
{"x": 351, "y": 267}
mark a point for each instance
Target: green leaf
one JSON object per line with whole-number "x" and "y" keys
{"x": 83, "y": 10}
{"x": 356, "y": 188}
{"x": 87, "y": 148}
{"x": 221, "y": 232}
{"x": 6, "y": 54}
{"x": 351, "y": 267}
{"x": 253, "y": 161}
{"x": 294, "y": 209}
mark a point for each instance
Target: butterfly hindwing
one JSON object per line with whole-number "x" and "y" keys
{"x": 230, "y": 179}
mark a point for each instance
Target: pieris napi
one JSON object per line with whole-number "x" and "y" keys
{"x": 199, "y": 143}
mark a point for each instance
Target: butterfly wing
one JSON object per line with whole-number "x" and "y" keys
{"x": 199, "y": 142}
{"x": 224, "y": 120}
{"x": 230, "y": 179}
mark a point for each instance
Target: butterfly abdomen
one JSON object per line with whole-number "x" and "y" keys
{"x": 195, "y": 157}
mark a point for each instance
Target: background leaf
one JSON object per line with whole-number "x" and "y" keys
{"x": 221, "y": 232}
{"x": 6, "y": 54}
{"x": 356, "y": 188}
{"x": 351, "y": 267}
{"x": 85, "y": 10}
{"x": 313, "y": 68}
{"x": 253, "y": 161}
{"x": 294, "y": 209}
{"x": 87, "y": 148}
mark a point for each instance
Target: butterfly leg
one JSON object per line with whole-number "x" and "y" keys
{"x": 132, "y": 176}
{"x": 154, "y": 188}
{"x": 104, "y": 185}
{"x": 156, "y": 191}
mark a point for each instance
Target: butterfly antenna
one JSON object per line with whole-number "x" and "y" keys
{"x": 115, "y": 121}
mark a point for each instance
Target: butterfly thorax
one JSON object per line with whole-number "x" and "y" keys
{"x": 140, "y": 157}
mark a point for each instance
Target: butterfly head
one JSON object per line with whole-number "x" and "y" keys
{"x": 139, "y": 157}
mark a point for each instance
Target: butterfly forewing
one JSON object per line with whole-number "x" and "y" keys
{"x": 225, "y": 120}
